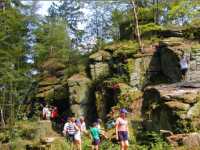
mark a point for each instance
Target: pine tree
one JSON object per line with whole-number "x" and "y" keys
{"x": 70, "y": 11}
{"x": 14, "y": 68}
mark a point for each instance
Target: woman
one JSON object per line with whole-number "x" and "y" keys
{"x": 122, "y": 130}
{"x": 77, "y": 135}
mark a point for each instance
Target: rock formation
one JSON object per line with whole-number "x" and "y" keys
{"x": 173, "y": 107}
{"x": 149, "y": 85}
{"x": 79, "y": 95}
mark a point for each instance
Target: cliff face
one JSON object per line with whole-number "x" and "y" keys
{"x": 173, "y": 107}
{"x": 80, "y": 100}
{"x": 119, "y": 76}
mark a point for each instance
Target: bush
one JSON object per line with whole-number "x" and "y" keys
{"x": 153, "y": 140}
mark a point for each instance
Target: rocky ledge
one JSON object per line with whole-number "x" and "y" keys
{"x": 174, "y": 107}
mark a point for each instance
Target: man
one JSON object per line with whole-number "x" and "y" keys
{"x": 184, "y": 65}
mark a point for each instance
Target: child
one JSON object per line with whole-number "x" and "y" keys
{"x": 69, "y": 130}
{"x": 95, "y": 134}
{"x": 77, "y": 135}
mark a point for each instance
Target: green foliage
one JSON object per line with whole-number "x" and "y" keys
{"x": 153, "y": 141}
{"x": 4, "y": 136}
{"x": 184, "y": 126}
{"x": 120, "y": 48}
{"x": 25, "y": 130}
{"x": 146, "y": 15}
{"x": 53, "y": 49}
{"x": 15, "y": 71}
{"x": 182, "y": 11}
{"x": 52, "y": 40}
{"x": 150, "y": 27}
{"x": 118, "y": 79}
{"x": 154, "y": 15}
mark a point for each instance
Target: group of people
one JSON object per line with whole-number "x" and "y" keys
{"x": 75, "y": 128}
{"x": 49, "y": 112}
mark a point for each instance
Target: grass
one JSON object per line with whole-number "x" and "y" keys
{"x": 29, "y": 133}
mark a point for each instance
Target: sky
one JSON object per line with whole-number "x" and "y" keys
{"x": 44, "y": 5}
{"x": 87, "y": 13}
{"x": 43, "y": 11}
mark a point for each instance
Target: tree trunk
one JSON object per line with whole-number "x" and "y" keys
{"x": 137, "y": 25}
{"x": 3, "y": 125}
{"x": 157, "y": 12}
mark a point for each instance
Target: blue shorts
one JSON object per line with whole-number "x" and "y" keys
{"x": 70, "y": 137}
{"x": 123, "y": 135}
{"x": 96, "y": 142}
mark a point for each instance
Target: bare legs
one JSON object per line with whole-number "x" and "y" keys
{"x": 78, "y": 145}
{"x": 95, "y": 147}
{"x": 124, "y": 145}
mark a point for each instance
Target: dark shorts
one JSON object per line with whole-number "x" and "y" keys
{"x": 183, "y": 71}
{"x": 123, "y": 135}
{"x": 70, "y": 137}
{"x": 96, "y": 142}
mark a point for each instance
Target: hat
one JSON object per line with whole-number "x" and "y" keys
{"x": 123, "y": 110}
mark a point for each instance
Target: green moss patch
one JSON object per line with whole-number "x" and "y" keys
{"x": 123, "y": 47}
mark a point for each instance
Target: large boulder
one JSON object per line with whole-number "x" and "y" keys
{"x": 118, "y": 95}
{"x": 171, "y": 49}
{"x": 142, "y": 69}
{"x": 172, "y": 107}
{"x": 170, "y": 56}
{"x": 51, "y": 88}
{"x": 79, "y": 94}
{"x": 50, "y": 82}
{"x": 192, "y": 141}
{"x": 99, "y": 64}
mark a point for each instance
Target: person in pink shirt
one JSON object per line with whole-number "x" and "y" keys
{"x": 121, "y": 128}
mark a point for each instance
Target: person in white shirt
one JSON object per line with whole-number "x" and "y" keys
{"x": 69, "y": 131}
{"x": 45, "y": 112}
{"x": 184, "y": 66}
{"x": 77, "y": 135}
{"x": 48, "y": 114}
{"x": 83, "y": 125}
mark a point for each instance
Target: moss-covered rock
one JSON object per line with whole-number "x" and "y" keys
{"x": 79, "y": 94}
{"x": 194, "y": 111}
{"x": 53, "y": 64}
{"x": 125, "y": 48}
{"x": 115, "y": 94}
{"x": 178, "y": 104}
{"x": 99, "y": 64}
{"x": 99, "y": 69}
{"x": 51, "y": 80}
{"x": 100, "y": 55}
{"x": 170, "y": 64}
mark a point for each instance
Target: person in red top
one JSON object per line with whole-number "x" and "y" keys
{"x": 54, "y": 113}
{"x": 121, "y": 128}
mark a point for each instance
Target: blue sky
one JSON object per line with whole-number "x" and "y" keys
{"x": 44, "y": 5}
